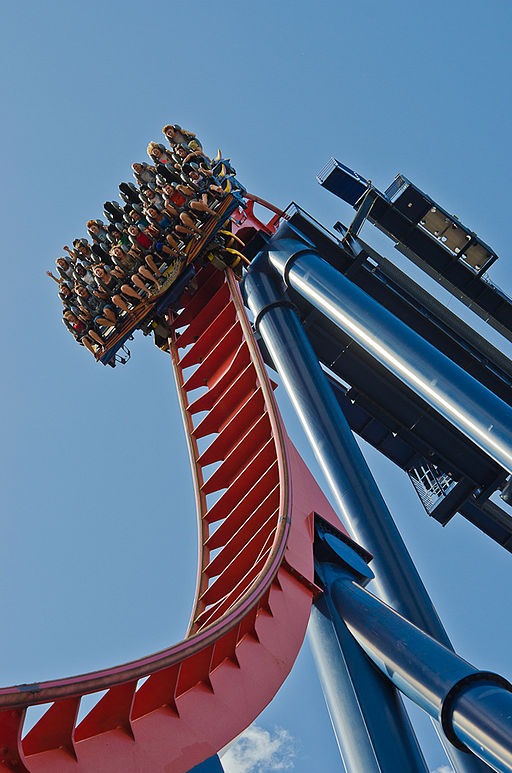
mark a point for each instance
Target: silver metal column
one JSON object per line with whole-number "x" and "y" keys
{"x": 474, "y": 707}
{"x": 361, "y": 504}
{"x": 372, "y": 728}
{"x": 468, "y": 405}
{"x": 370, "y": 723}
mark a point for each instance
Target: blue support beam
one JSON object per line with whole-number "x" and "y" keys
{"x": 211, "y": 765}
{"x": 372, "y": 728}
{"x": 473, "y": 707}
{"x": 473, "y": 409}
{"x": 360, "y": 501}
{"x": 361, "y": 504}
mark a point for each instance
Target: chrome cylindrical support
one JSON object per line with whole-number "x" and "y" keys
{"x": 474, "y": 707}
{"x": 372, "y": 728}
{"x": 370, "y": 723}
{"x": 361, "y": 504}
{"x": 473, "y": 409}
{"x": 362, "y": 507}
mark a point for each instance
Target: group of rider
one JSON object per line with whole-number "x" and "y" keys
{"x": 122, "y": 262}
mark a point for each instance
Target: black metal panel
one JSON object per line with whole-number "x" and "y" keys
{"x": 414, "y": 206}
{"x": 398, "y": 300}
{"x": 342, "y": 181}
{"x": 385, "y": 397}
{"x": 453, "y": 502}
{"x": 398, "y": 213}
{"x": 492, "y": 520}
{"x": 373, "y": 430}
{"x": 428, "y": 251}
{"x": 404, "y": 447}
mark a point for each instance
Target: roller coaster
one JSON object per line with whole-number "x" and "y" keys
{"x": 360, "y": 348}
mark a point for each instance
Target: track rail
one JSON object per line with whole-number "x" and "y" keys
{"x": 255, "y": 502}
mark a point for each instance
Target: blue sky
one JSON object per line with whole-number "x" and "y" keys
{"x": 97, "y": 556}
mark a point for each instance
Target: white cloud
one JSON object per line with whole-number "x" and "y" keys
{"x": 257, "y": 751}
{"x": 443, "y": 769}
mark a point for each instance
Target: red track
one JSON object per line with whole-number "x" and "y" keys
{"x": 255, "y": 503}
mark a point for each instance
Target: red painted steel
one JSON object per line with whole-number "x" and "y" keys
{"x": 245, "y": 223}
{"x": 255, "y": 579}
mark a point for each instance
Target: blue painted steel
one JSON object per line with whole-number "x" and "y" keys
{"x": 368, "y": 717}
{"x": 211, "y": 765}
{"x": 474, "y": 707}
{"x": 361, "y": 504}
{"x": 342, "y": 181}
{"x": 468, "y": 405}
{"x": 372, "y": 728}
{"x": 474, "y": 719}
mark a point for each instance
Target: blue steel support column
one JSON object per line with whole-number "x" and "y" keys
{"x": 368, "y": 717}
{"x": 371, "y": 725}
{"x": 211, "y": 765}
{"x": 468, "y": 405}
{"x": 361, "y": 504}
{"x": 474, "y": 707}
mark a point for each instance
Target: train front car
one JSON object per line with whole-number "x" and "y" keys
{"x": 128, "y": 273}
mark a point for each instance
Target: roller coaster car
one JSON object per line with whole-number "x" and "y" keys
{"x": 146, "y": 314}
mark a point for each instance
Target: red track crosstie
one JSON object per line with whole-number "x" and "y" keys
{"x": 255, "y": 502}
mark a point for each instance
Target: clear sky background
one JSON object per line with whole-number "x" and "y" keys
{"x": 98, "y": 543}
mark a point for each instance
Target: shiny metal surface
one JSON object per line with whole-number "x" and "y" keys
{"x": 474, "y": 707}
{"x": 362, "y": 507}
{"x": 474, "y": 717}
{"x": 372, "y": 729}
{"x": 457, "y": 396}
